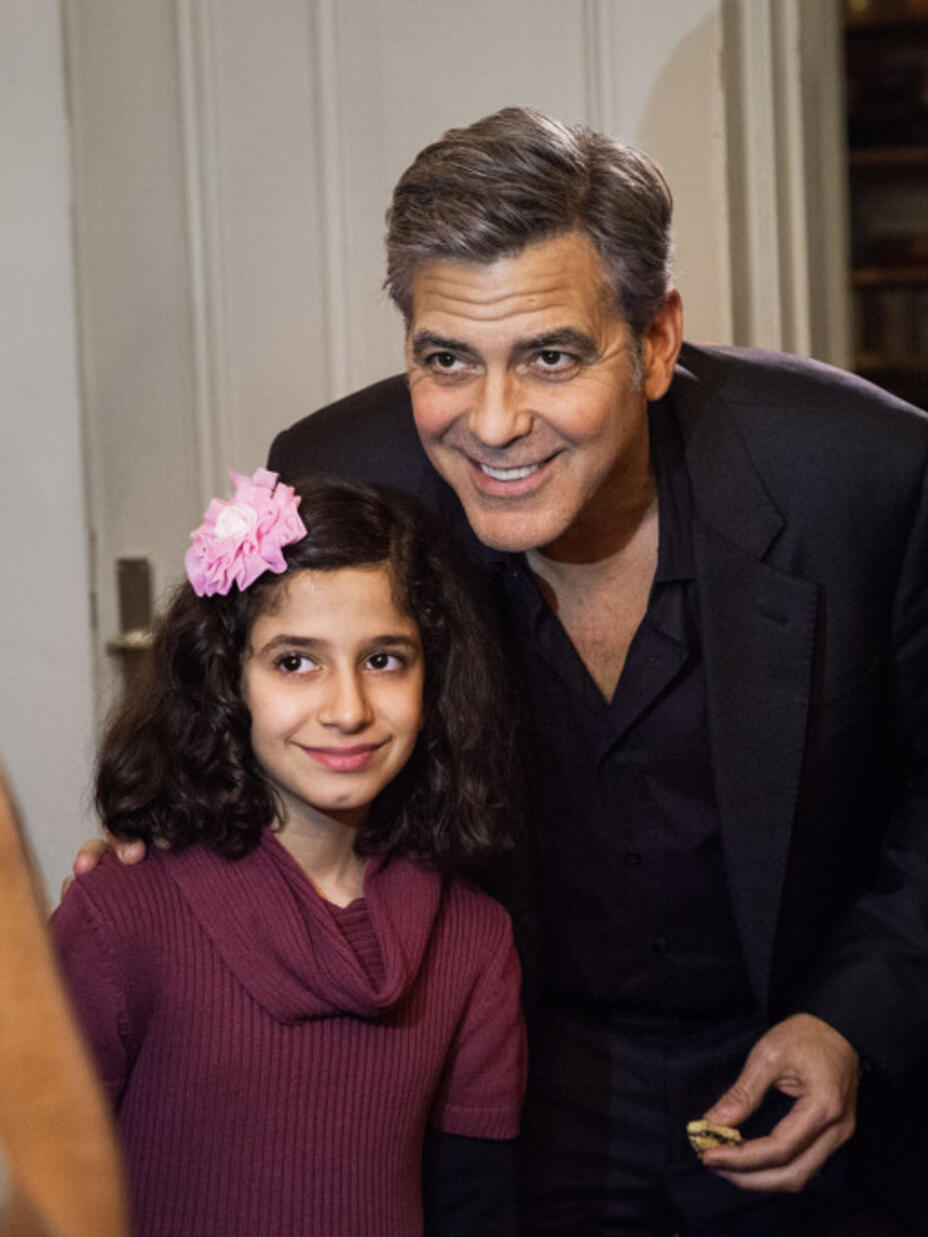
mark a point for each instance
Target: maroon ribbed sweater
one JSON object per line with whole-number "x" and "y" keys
{"x": 274, "y": 1061}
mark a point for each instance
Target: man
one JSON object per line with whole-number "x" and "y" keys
{"x": 711, "y": 567}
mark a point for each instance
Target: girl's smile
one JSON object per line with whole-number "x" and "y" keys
{"x": 333, "y": 679}
{"x": 344, "y": 759}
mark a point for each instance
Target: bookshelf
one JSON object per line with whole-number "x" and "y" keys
{"x": 886, "y": 45}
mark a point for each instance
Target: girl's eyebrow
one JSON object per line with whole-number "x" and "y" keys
{"x": 300, "y": 642}
{"x": 394, "y": 642}
{"x": 391, "y": 639}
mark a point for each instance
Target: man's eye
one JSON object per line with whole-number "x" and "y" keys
{"x": 385, "y": 661}
{"x": 446, "y": 362}
{"x": 553, "y": 359}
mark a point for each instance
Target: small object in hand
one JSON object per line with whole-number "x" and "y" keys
{"x": 704, "y": 1135}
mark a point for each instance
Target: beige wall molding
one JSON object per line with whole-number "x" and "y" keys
{"x": 786, "y": 176}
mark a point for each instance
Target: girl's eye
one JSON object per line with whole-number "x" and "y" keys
{"x": 294, "y": 663}
{"x": 385, "y": 661}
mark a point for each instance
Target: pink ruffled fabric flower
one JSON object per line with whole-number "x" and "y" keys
{"x": 241, "y": 539}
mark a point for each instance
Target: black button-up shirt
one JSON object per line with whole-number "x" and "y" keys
{"x": 622, "y": 803}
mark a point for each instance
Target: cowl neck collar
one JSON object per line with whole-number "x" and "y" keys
{"x": 280, "y": 938}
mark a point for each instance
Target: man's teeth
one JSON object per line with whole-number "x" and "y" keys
{"x": 509, "y": 474}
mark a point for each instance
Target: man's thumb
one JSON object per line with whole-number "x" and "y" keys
{"x": 739, "y": 1101}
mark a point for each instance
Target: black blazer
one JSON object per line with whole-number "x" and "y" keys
{"x": 810, "y": 538}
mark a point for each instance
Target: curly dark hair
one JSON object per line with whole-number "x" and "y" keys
{"x": 177, "y": 766}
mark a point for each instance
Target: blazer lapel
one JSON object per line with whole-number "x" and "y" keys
{"x": 758, "y": 640}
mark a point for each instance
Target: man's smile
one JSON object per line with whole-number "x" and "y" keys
{"x": 509, "y": 474}
{"x": 512, "y": 481}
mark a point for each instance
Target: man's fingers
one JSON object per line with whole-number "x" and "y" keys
{"x": 86, "y": 860}
{"x": 792, "y": 1153}
{"x": 734, "y": 1106}
{"x": 805, "y": 1058}
{"x": 93, "y": 851}
{"x": 129, "y": 852}
{"x": 788, "y": 1139}
{"x": 794, "y": 1174}
{"x": 90, "y": 855}
{"x": 746, "y": 1093}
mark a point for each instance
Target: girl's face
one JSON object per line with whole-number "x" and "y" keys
{"x": 333, "y": 677}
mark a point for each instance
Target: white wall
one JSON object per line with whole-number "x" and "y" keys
{"x": 664, "y": 90}
{"x": 46, "y": 705}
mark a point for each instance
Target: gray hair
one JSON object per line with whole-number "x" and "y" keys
{"x": 517, "y": 177}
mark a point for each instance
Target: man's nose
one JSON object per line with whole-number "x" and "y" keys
{"x": 498, "y": 415}
{"x": 345, "y": 704}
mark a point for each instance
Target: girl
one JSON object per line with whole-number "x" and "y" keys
{"x": 292, "y": 987}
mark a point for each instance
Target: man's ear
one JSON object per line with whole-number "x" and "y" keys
{"x": 660, "y": 346}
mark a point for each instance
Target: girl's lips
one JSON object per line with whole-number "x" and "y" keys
{"x": 343, "y": 759}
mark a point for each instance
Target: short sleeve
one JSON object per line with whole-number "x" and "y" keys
{"x": 85, "y": 958}
{"x": 484, "y": 1079}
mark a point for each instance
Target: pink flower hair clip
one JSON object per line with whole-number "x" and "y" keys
{"x": 241, "y": 539}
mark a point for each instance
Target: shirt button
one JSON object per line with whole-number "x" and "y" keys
{"x": 633, "y": 858}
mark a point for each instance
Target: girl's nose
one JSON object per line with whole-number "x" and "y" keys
{"x": 345, "y": 703}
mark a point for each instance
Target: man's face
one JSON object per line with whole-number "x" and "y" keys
{"x": 523, "y": 383}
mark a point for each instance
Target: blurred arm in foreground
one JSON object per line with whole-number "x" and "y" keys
{"x": 62, "y": 1169}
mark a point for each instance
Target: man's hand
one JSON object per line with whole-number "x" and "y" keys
{"x": 808, "y": 1059}
{"x": 93, "y": 851}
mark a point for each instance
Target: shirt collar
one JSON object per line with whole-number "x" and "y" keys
{"x": 674, "y": 497}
